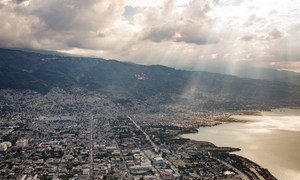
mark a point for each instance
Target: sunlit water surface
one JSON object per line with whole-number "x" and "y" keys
{"x": 271, "y": 140}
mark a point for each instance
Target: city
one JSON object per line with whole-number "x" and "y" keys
{"x": 149, "y": 89}
{"x": 64, "y": 135}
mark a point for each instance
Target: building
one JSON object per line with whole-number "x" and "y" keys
{"x": 22, "y": 143}
{"x": 158, "y": 161}
{"x": 5, "y": 145}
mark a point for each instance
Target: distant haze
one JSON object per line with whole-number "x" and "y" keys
{"x": 177, "y": 33}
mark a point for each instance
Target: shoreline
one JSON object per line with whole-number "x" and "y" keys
{"x": 223, "y": 154}
{"x": 230, "y": 151}
{"x": 273, "y": 113}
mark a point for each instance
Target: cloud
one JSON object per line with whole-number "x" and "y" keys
{"x": 292, "y": 66}
{"x": 171, "y": 32}
{"x": 130, "y": 11}
{"x": 20, "y": 1}
{"x": 192, "y": 25}
{"x": 275, "y": 34}
{"x": 253, "y": 20}
{"x": 248, "y": 38}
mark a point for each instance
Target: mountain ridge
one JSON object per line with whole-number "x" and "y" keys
{"x": 253, "y": 73}
{"x": 40, "y": 72}
{"x": 241, "y": 71}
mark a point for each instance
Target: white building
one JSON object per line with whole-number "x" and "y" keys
{"x": 158, "y": 161}
{"x": 5, "y": 145}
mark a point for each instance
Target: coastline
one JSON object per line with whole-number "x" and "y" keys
{"x": 227, "y": 156}
{"x": 274, "y": 127}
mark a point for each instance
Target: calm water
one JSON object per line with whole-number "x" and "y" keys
{"x": 271, "y": 140}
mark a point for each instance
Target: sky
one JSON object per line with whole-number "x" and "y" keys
{"x": 177, "y": 33}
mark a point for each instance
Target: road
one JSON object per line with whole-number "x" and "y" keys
{"x": 156, "y": 148}
{"x": 91, "y": 174}
{"x": 257, "y": 174}
{"x": 123, "y": 159}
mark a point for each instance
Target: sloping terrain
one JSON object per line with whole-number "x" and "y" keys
{"x": 40, "y": 72}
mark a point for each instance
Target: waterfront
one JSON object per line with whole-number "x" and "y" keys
{"x": 271, "y": 140}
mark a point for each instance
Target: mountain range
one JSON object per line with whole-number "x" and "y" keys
{"x": 252, "y": 72}
{"x": 121, "y": 80}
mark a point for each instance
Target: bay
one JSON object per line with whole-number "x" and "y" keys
{"x": 272, "y": 140}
